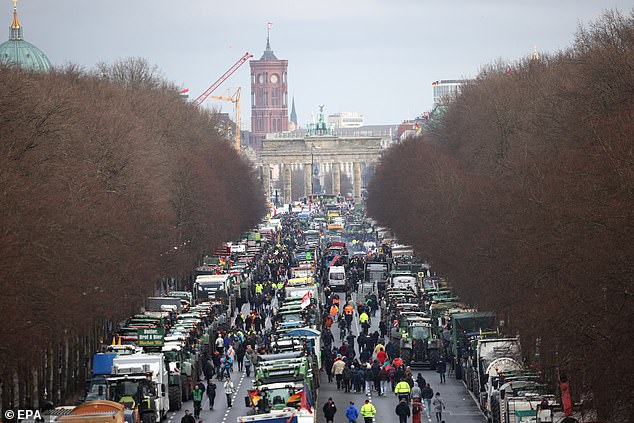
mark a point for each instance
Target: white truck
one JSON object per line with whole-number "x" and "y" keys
{"x": 140, "y": 381}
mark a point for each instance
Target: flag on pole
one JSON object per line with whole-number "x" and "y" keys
{"x": 307, "y": 401}
{"x": 305, "y": 300}
{"x": 255, "y": 397}
{"x": 185, "y": 92}
{"x": 295, "y": 397}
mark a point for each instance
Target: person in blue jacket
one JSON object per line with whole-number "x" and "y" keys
{"x": 352, "y": 413}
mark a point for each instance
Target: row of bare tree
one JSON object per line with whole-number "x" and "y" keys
{"x": 109, "y": 181}
{"x": 523, "y": 194}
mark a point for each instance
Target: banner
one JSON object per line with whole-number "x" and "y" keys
{"x": 305, "y": 300}
{"x": 566, "y": 399}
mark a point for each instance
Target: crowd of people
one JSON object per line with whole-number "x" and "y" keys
{"x": 237, "y": 346}
{"x": 377, "y": 368}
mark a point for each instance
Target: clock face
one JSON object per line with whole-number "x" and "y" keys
{"x": 274, "y": 79}
{"x": 261, "y": 79}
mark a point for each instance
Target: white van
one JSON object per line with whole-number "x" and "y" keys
{"x": 337, "y": 278}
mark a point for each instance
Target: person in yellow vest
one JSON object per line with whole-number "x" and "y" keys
{"x": 402, "y": 390}
{"x": 363, "y": 317}
{"x": 259, "y": 288}
{"x": 368, "y": 411}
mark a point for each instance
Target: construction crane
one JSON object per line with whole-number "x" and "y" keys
{"x": 235, "y": 99}
{"x": 222, "y": 79}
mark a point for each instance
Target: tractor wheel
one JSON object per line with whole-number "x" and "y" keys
{"x": 175, "y": 397}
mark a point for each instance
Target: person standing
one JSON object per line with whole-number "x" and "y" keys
{"x": 231, "y": 353}
{"x": 337, "y": 370}
{"x": 441, "y": 368}
{"x": 352, "y": 413}
{"x": 211, "y": 393}
{"x": 229, "y": 391}
{"x": 368, "y": 411}
{"x": 416, "y": 392}
{"x": 240, "y": 352}
{"x": 197, "y": 397}
{"x": 402, "y": 411}
{"x": 330, "y": 409}
{"x": 402, "y": 390}
{"x": 439, "y": 405}
{"x": 417, "y": 409}
{"x": 188, "y": 418}
{"x": 427, "y": 394}
{"x": 247, "y": 364}
{"x": 220, "y": 345}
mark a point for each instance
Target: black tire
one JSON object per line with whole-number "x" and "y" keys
{"x": 149, "y": 417}
{"x": 175, "y": 397}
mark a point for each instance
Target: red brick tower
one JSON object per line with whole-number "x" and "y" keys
{"x": 269, "y": 96}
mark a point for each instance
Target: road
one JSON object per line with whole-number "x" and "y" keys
{"x": 221, "y": 413}
{"x": 460, "y": 405}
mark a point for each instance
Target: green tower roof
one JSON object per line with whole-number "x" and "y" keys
{"x": 17, "y": 52}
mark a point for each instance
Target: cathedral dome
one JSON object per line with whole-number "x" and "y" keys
{"x": 17, "y": 52}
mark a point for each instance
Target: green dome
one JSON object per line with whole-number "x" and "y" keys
{"x": 17, "y": 52}
{"x": 24, "y": 55}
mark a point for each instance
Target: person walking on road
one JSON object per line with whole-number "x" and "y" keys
{"x": 352, "y": 413}
{"x": 368, "y": 411}
{"x": 229, "y": 391}
{"x": 211, "y": 393}
{"x": 402, "y": 411}
{"x": 417, "y": 409}
{"x": 439, "y": 405}
{"x": 337, "y": 369}
{"x": 197, "y": 396}
{"x": 330, "y": 409}
{"x": 402, "y": 390}
{"x": 416, "y": 392}
{"x": 441, "y": 368}
{"x": 427, "y": 394}
{"x": 188, "y": 418}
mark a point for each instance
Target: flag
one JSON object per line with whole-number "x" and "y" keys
{"x": 185, "y": 92}
{"x": 566, "y": 398}
{"x": 295, "y": 397}
{"x": 305, "y": 300}
{"x": 307, "y": 401}
{"x": 222, "y": 261}
{"x": 255, "y": 398}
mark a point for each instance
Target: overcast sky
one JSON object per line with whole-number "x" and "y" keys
{"x": 375, "y": 57}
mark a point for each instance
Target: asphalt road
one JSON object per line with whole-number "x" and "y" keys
{"x": 221, "y": 413}
{"x": 460, "y": 405}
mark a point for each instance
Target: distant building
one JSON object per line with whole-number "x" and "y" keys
{"x": 269, "y": 96}
{"x": 447, "y": 89}
{"x": 17, "y": 52}
{"x": 292, "y": 124}
{"x": 345, "y": 120}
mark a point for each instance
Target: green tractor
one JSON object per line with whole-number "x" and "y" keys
{"x": 418, "y": 347}
{"x": 182, "y": 368}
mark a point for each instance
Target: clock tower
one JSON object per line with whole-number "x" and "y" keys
{"x": 269, "y": 96}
